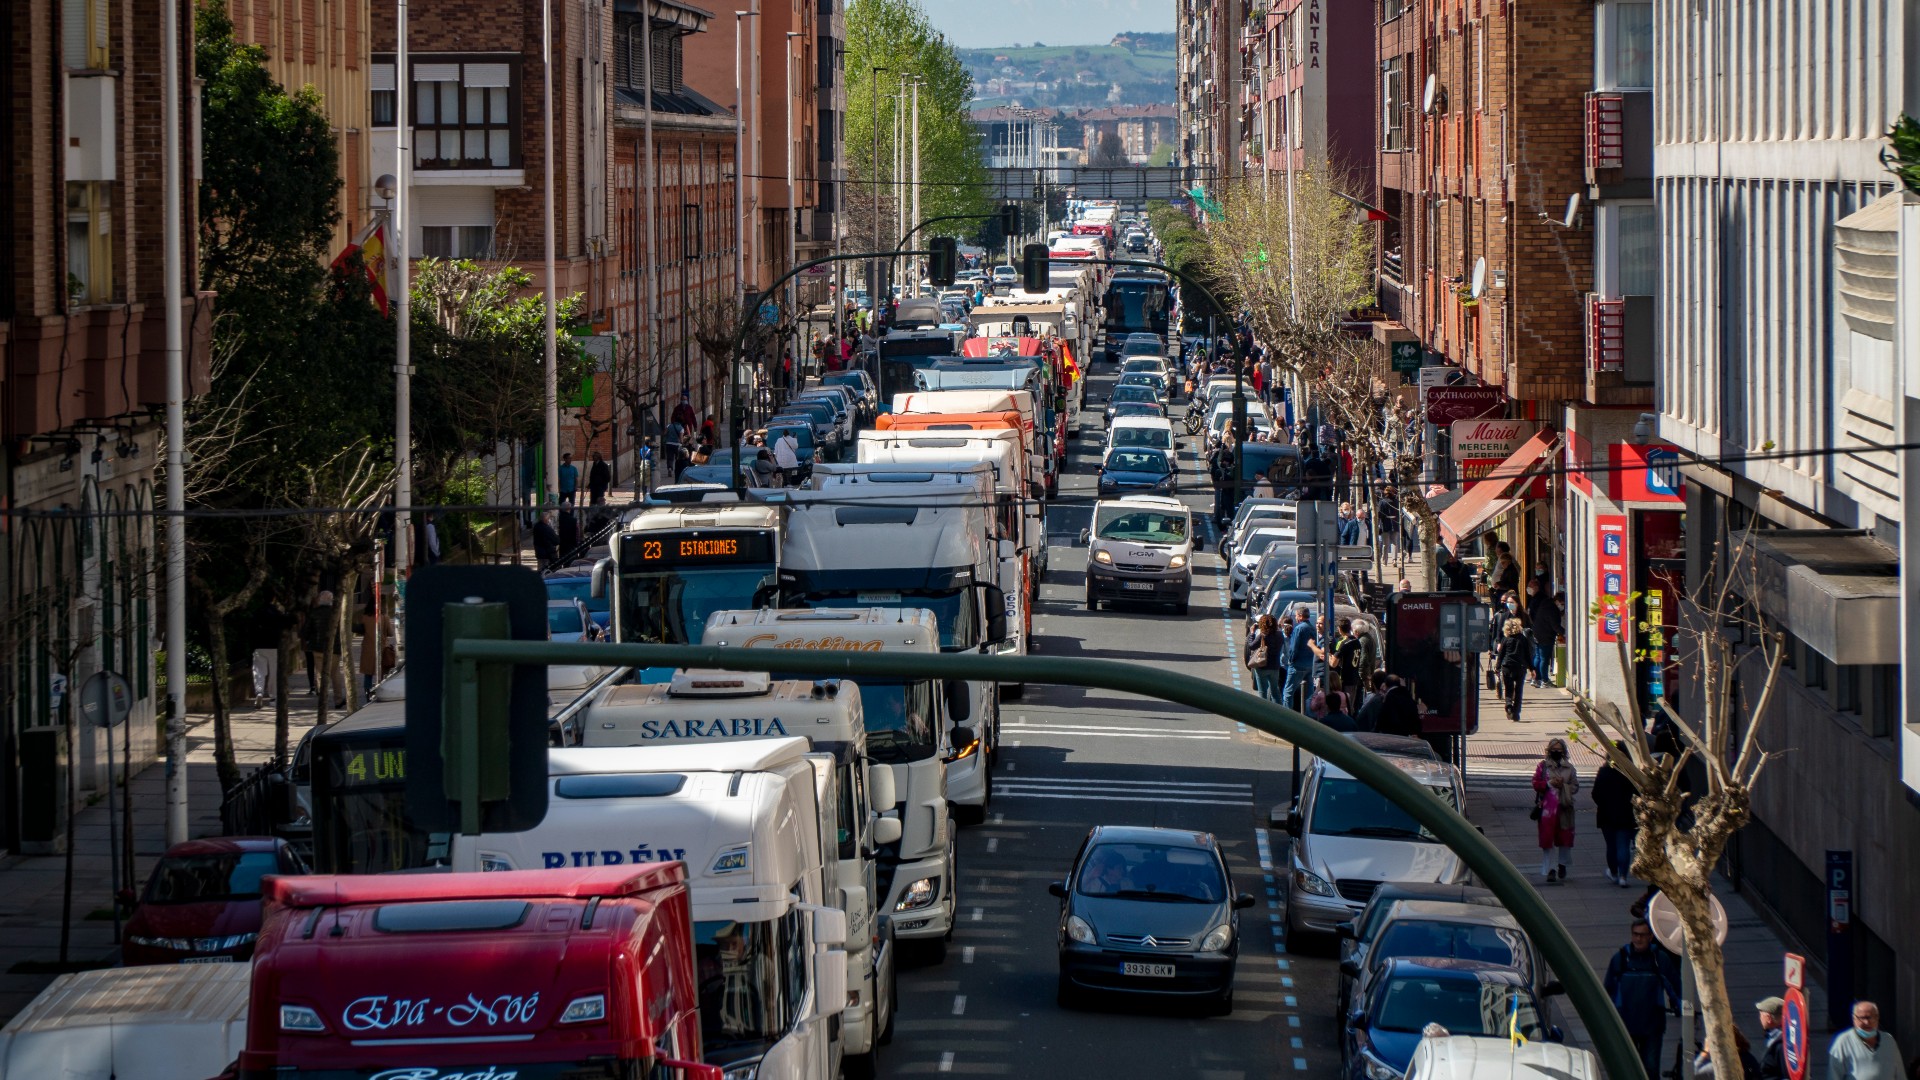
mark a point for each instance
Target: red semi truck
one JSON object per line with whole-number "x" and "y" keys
{"x": 586, "y": 974}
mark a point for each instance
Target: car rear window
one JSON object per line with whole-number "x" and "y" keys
{"x": 1461, "y": 941}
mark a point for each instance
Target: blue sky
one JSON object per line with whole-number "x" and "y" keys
{"x": 979, "y": 24}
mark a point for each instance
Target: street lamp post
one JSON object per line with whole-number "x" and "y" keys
{"x": 398, "y": 298}
{"x": 873, "y": 266}
{"x": 552, "y": 390}
{"x": 793, "y": 228}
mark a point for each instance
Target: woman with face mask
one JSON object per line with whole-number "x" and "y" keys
{"x": 1555, "y": 783}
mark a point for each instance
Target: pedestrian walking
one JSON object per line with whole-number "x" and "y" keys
{"x": 786, "y": 455}
{"x": 569, "y": 480}
{"x": 1504, "y": 575}
{"x": 546, "y": 542}
{"x": 1613, "y": 806}
{"x": 1220, "y": 466}
{"x": 1555, "y": 783}
{"x": 1345, "y": 664}
{"x": 1510, "y": 659}
{"x": 1773, "y": 1058}
{"x": 1265, "y": 649}
{"x": 599, "y": 479}
{"x": 1644, "y": 981}
{"x": 1545, "y": 623}
{"x": 1865, "y": 1051}
{"x": 569, "y": 530}
{"x": 672, "y": 442}
{"x": 765, "y": 473}
{"x": 1300, "y": 650}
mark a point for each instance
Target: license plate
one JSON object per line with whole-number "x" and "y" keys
{"x": 1156, "y": 971}
{"x": 881, "y": 598}
{"x": 1137, "y": 586}
{"x": 208, "y": 960}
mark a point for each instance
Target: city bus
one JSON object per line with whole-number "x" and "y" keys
{"x": 1136, "y": 303}
{"x": 902, "y": 354}
{"x": 673, "y": 566}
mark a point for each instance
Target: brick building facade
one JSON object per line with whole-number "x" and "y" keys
{"x": 82, "y": 337}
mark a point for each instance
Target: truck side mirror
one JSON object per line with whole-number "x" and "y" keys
{"x": 886, "y": 830}
{"x": 829, "y": 926}
{"x": 881, "y": 794}
{"x": 1007, "y": 550}
{"x": 829, "y": 983}
{"x": 996, "y": 601}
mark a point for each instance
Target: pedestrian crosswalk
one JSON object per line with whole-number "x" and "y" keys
{"x": 1112, "y": 731}
{"x": 1094, "y": 789}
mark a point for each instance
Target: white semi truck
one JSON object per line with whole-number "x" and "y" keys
{"x": 907, "y": 730}
{"x": 702, "y": 707}
{"x": 746, "y": 818}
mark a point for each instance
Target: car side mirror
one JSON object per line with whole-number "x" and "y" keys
{"x": 886, "y": 830}
{"x": 1350, "y": 968}
{"x": 1243, "y": 901}
{"x": 1552, "y": 988}
{"x": 1057, "y": 888}
{"x": 1086, "y": 536}
{"x": 1555, "y": 1035}
{"x": 1294, "y": 823}
{"x": 127, "y": 899}
{"x": 1356, "y": 1018}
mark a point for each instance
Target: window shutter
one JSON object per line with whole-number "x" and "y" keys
{"x": 436, "y": 73}
{"x": 380, "y": 77}
{"x": 488, "y": 75}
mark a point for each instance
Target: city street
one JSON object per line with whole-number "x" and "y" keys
{"x": 1075, "y": 758}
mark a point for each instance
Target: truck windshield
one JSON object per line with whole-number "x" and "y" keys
{"x": 753, "y": 977}
{"x": 900, "y": 725}
{"x": 671, "y": 607}
{"x": 1130, "y": 526}
{"x": 952, "y": 607}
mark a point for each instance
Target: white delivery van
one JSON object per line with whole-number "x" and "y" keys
{"x": 153, "y": 1022}
{"x": 1140, "y": 547}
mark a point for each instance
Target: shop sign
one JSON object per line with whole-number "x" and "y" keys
{"x": 1496, "y": 440}
{"x": 1644, "y": 474}
{"x": 1447, "y": 404}
{"x": 1611, "y": 590}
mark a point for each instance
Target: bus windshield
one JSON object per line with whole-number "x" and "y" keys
{"x": 671, "y": 607}
{"x": 1137, "y": 305}
{"x": 360, "y": 817}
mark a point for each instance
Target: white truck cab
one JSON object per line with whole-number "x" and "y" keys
{"x": 746, "y": 818}
{"x": 906, "y": 730}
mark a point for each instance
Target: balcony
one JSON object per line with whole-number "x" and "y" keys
{"x": 1606, "y": 334}
{"x": 1619, "y": 140}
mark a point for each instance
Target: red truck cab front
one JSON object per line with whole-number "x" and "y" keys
{"x": 585, "y": 973}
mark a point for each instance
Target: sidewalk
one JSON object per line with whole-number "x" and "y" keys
{"x": 1499, "y": 769}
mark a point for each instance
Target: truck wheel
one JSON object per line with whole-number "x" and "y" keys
{"x": 973, "y": 815}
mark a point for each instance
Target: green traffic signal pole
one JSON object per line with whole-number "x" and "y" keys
{"x": 739, "y": 347}
{"x": 465, "y": 657}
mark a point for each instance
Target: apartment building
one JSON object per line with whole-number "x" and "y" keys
{"x": 1784, "y": 252}
{"x": 82, "y": 335}
{"x": 1140, "y": 129}
{"x": 1210, "y": 78}
{"x": 1299, "y": 113}
{"x": 324, "y": 44}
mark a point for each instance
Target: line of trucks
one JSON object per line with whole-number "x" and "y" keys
{"x": 730, "y": 865}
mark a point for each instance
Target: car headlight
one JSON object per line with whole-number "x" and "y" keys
{"x": 1079, "y": 930}
{"x": 1377, "y": 1069}
{"x": 741, "y": 1070}
{"x": 1103, "y": 556}
{"x": 1218, "y": 939}
{"x": 921, "y": 893}
{"x": 1176, "y": 562}
{"x": 1313, "y": 884}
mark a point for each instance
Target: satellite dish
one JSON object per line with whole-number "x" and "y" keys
{"x": 1427, "y": 99}
{"x": 1479, "y": 276}
{"x": 1573, "y": 211}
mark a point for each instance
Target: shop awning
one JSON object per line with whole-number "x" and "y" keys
{"x": 1498, "y": 491}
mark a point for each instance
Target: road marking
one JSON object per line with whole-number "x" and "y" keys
{"x": 993, "y": 844}
{"x": 1079, "y": 730}
{"x": 1011, "y": 767}
{"x": 999, "y": 819}
{"x": 959, "y": 1004}
{"x": 966, "y": 954}
{"x": 1297, "y": 1043}
{"x": 1300, "y": 1063}
{"x": 946, "y": 1061}
{"x": 976, "y": 916}
{"x": 1266, "y": 850}
{"x": 1293, "y": 1021}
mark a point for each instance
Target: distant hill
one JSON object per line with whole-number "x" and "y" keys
{"x": 1134, "y": 69}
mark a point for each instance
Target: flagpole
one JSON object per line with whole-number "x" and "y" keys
{"x": 398, "y": 300}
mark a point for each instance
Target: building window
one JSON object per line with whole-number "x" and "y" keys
{"x": 1632, "y": 44}
{"x": 83, "y": 34}
{"x": 1293, "y": 120}
{"x": 456, "y": 241}
{"x": 1637, "y": 243}
{"x": 463, "y": 116}
{"x": 380, "y": 80}
{"x": 89, "y": 244}
{"x": 1395, "y": 96}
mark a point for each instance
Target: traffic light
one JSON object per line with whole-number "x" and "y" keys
{"x": 1010, "y": 219}
{"x": 1033, "y": 268}
{"x": 944, "y": 263}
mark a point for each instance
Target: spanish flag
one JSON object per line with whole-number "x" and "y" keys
{"x": 372, "y": 246}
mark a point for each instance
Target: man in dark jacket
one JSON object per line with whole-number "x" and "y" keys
{"x": 599, "y": 479}
{"x": 546, "y": 542}
{"x": 1456, "y": 576}
{"x": 1399, "y": 713}
{"x": 1773, "y": 1063}
{"x": 1545, "y": 622}
{"x": 1220, "y": 466}
{"x": 1644, "y": 981}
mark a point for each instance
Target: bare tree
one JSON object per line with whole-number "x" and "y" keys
{"x": 1720, "y": 639}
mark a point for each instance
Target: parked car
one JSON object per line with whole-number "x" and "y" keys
{"x": 1347, "y": 838}
{"x": 1247, "y": 554}
{"x": 1437, "y": 928}
{"x": 567, "y": 620}
{"x": 576, "y": 583}
{"x": 201, "y": 904}
{"x": 1149, "y": 911}
{"x": 1466, "y": 997}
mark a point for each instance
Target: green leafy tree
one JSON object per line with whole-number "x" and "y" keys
{"x": 897, "y": 35}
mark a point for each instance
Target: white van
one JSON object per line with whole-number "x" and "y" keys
{"x": 1480, "y": 1057}
{"x": 152, "y": 1022}
{"x": 1152, "y": 432}
{"x": 1140, "y": 547}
